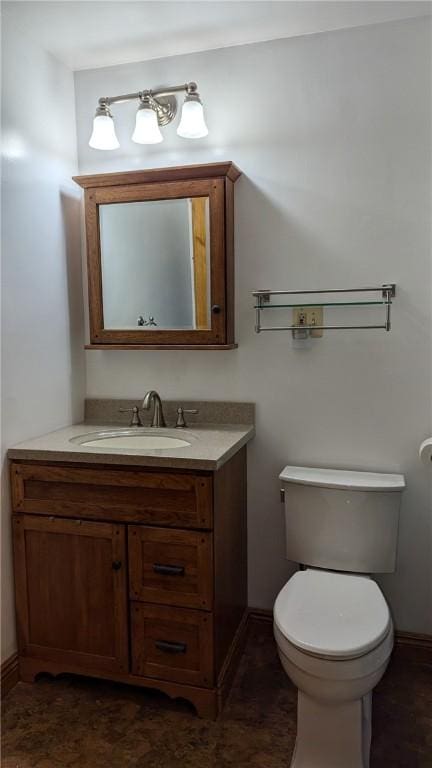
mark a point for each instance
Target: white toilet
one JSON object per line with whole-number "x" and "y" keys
{"x": 332, "y": 625}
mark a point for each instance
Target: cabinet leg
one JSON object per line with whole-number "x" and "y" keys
{"x": 206, "y": 705}
{"x": 207, "y": 711}
{"x": 206, "y": 701}
{"x": 28, "y": 671}
{"x": 27, "y": 677}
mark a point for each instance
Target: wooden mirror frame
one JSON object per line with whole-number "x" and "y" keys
{"x": 215, "y": 181}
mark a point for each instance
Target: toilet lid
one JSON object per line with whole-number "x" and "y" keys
{"x": 343, "y": 478}
{"x": 332, "y": 614}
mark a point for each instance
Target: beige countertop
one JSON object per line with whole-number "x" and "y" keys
{"x": 211, "y": 446}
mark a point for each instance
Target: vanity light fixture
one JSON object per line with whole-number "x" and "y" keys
{"x": 192, "y": 124}
{"x": 103, "y": 135}
{"x": 157, "y": 108}
{"x": 146, "y": 124}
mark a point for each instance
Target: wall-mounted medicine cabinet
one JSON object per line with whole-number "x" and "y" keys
{"x": 160, "y": 256}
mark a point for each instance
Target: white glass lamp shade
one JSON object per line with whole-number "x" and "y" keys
{"x": 192, "y": 124}
{"x": 104, "y": 135}
{"x": 146, "y": 127}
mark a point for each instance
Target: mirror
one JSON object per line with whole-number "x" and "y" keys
{"x": 155, "y": 264}
{"x": 160, "y": 257}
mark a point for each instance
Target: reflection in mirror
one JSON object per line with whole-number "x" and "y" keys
{"x": 155, "y": 259}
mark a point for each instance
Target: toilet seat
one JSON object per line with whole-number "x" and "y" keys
{"x": 332, "y": 615}
{"x": 334, "y": 672}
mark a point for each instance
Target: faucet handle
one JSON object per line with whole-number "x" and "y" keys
{"x": 135, "y": 419}
{"x": 180, "y": 423}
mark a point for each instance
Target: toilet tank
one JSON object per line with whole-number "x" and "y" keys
{"x": 340, "y": 519}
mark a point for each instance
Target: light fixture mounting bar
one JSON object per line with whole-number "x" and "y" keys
{"x": 188, "y": 88}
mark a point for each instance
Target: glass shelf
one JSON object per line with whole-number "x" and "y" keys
{"x": 323, "y": 304}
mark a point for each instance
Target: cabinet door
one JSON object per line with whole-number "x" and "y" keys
{"x": 71, "y": 594}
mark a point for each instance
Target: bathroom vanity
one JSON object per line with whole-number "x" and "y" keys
{"x": 131, "y": 565}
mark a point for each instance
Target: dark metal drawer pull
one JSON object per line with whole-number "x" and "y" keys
{"x": 169, "y": 570}
{"x": 168, "y": 647}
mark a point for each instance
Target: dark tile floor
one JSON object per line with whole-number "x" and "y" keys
{"x": 82, "y": 723}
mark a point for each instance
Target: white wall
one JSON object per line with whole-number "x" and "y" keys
{"x": 42, "y": 335}
{"x": 332, "y": 133}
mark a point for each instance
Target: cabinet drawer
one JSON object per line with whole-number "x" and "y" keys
{"x": 172, "y": 644}
{"x": 171, "y": 567}
{"x": 135, "y": 495}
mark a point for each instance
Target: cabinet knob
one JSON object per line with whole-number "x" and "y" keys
{"x": 116, "y": 565}
{"x": 216, "y": 309}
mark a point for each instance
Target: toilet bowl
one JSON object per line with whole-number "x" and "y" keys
{"x": 332, "y": 625}
{"x": 334, "y": 665}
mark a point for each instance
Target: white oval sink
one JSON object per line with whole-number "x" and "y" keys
{"x": 131, "y": 439}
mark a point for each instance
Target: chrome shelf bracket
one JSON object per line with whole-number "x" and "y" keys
{"x": 387, "y": 292}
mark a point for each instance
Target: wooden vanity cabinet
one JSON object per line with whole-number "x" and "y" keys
{"x": 132, "y": 574}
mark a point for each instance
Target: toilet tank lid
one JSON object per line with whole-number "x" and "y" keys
{"x": 342, "y": 478}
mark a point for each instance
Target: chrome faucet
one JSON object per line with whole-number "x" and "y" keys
{"x": 158, "y": 417}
